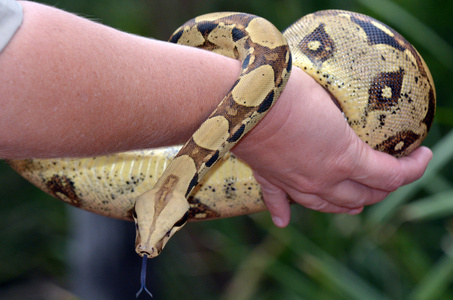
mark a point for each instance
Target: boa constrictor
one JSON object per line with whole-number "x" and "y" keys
{"x": 379, "y": 80}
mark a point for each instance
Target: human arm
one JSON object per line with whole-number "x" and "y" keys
{"x": 72, "y": 87}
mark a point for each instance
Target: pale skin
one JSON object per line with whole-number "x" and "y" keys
{"x": 73, "y": 87}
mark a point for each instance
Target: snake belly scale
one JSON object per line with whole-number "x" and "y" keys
{"x": 378, "y": 79}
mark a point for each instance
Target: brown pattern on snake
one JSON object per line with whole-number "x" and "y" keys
{"x": 165, "y": 192}
{"x": 429, "y": 117}
{"x": 318, "y": 46}
{"x": 377, "y": 36}
{"x": 380, "y": 99}
{"x": 206, "y": 27}
{"x": 236, "y": 113}
{"x": 397, "y": 144}
{"x": 62, "y": 185}
{"x": 274, "y": 58}
{"x": 200, "y": 211}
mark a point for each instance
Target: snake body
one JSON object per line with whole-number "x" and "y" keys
{"x": 378, "y": 79}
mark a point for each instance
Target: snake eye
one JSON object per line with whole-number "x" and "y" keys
{"x": 182, "y": 221}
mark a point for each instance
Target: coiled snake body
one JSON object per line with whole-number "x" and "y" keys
{"x": 379, "y": 80}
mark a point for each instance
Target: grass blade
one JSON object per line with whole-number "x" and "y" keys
{"x": 435, "y": 206}
{"x": 437, "y": 280}
{"x": 334, "y": 274}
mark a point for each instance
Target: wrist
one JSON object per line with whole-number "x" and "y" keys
{"x": 266, "y": 132}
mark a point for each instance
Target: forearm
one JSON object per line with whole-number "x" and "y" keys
{"x": 72, "y": 87}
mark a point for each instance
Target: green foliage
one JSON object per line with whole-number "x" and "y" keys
{"x": 401, "y": 248}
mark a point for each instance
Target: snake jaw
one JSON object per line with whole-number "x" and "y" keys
{"x": 157, "y": 220}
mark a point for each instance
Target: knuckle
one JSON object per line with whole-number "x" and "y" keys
{"x": 345, "y": 162}
{"x": 394, "y": 181}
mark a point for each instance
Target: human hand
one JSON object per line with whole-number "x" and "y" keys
{"x": 304, "y": 149}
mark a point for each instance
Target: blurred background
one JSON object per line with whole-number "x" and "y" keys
{"x": 401, "y": 248}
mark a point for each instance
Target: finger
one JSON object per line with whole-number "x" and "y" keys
{"x": 317, "y": 203}
{"x": 276, "y": 201}
{"x": 351, "y": 194}
{"x": 383, "y": 171}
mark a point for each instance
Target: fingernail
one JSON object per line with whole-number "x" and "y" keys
{"x": 277, "y": 221}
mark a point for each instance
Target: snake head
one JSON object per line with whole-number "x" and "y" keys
{"x": 157, "y": 219}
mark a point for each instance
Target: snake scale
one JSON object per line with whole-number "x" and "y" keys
{"x": 379, "y": 80}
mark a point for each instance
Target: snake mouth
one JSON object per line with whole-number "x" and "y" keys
{"x": 153, "y": 252}
{"x": 144, "y": 253}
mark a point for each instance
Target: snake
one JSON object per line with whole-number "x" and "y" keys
{"x": 378, "y": 79}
